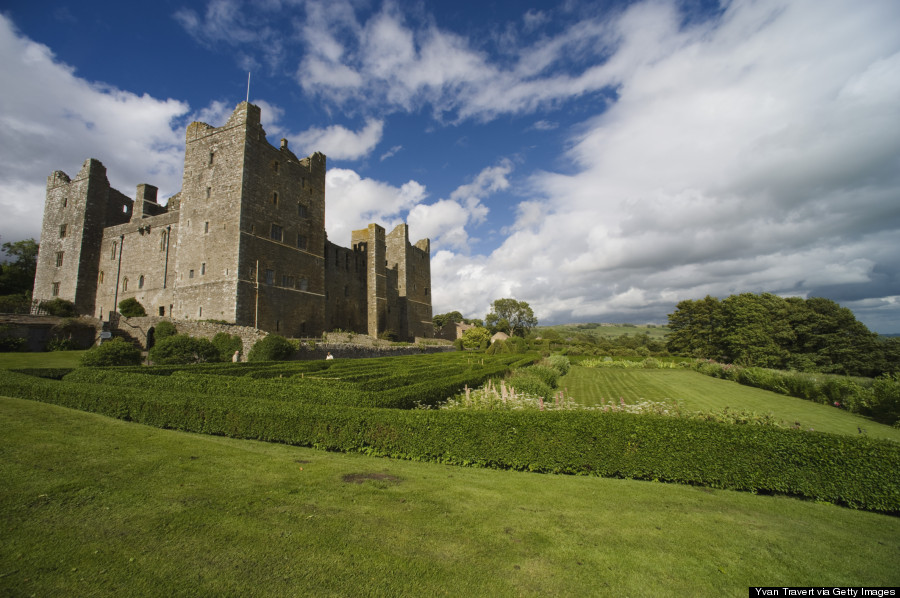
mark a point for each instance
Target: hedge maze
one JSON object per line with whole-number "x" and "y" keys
{"x": 371, "y": 406}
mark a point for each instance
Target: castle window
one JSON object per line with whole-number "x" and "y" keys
{"x": 203, "y": 268}
{"x": 200, "y": 312}
{"x": 287, "y": 281}
{"x": 65, "y": 201}
{"x": 301, "y": 211}
{"x": 59, "y": 258}
{"x": 301, "y": 242}
{"x": 206, "y": 227}
{"x": 270, "y": 276}
{"x": 208, "y": 192}
{"x": 346, "y": 291}
{"x": 275, "y": 167}
{"x": 426, "y": 290}
{"x": 115, "y": 248}
{"x": 125, "y": 284}
{"x": 141, "y": 282}
{"x": 275, "y": 198}
{"x": 54, "y": 289}
{"x": 191, "y": 274}
{"x": 162, "y": 310}
{"x": 62, "y": 231}
{"x": 303, "y": 284}
{"x": 212, "y": 156}
{"x": 101, "y": 276}
{"x": 276, "y": 232}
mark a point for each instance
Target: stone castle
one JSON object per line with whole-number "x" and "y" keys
{"x": 243, "y": 242}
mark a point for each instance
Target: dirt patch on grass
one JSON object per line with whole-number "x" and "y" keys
{"x": 359, "y": 478}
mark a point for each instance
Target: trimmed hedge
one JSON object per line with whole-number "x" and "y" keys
{"x": 855, "y": 471}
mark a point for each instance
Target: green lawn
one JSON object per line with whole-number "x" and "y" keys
{"x": 101, "y": 507}
{"x": 53, "y": 359}
{"x": 696, "y": 392}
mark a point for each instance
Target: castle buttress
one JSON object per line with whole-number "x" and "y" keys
{"x": 243, "y": 241}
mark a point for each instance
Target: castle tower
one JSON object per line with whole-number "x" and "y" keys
{"x": 252, "y": 229}
{"x": 75, "y": 214}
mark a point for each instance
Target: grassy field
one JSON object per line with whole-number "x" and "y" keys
{"x": 656, "y": 332}
{"x": 696, "y": 392}
{"x": 53, "y": 359}
{"x": 101, "y": 507}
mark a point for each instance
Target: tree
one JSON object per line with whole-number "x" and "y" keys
{"x": 17, "y": 274}
{"x": 131, "y": 308}
{"x": 442, "y": 320}
{"x": 511, "y": 316}
{"x": 476, "y": 338}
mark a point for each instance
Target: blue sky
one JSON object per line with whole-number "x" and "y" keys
{"x": 599, "y": 160}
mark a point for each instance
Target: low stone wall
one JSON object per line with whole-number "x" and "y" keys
{"x": 138, "y": 329}
{"x": 354, "y": 351}
{"x": 40, "y": 330}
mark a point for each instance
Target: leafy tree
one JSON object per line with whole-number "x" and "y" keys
{"x": 182, "y": 349}
{"x": 442, "y": 320}
{"x": 476, "y": 338}
{"x": 131, "y": 308}
{"x": 17, "y": 273}
{"x": 765, "y": 330}
{"x": 511, "y": 316}
{"x": 271, "y": 348}
{"x": 113, "y": 352}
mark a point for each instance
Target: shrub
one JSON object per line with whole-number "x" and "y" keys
{"x": 11, "y": 344}
{"x": 226, "y": 344}
{"x": 183, "y": 349}
{"x": 15, "y": 304}
{"x": 165, "y": 329}
{"x": 62, "y": 308}
{"x": 885, "y": 401}
{"x": 560, "y": 363}
{"x": 113, "y": 352}
{"x": 545, "y": 373}
{"x": 131, "y": 308}
{"x": 61, "y": 344}
{"x": 529, "y": 383}
{"x": 271, "y": 348}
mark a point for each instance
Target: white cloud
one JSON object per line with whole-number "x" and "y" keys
{"x": 54, "y": 120}
{"x": 353, "y": 202}
{"x": 755, "y": 152}
{"x": 391, "y": 152}
{"x": 341, "y": 143}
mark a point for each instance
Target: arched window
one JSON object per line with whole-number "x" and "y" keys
{"x": 162, "y": 240}
{"x": 125, "y": 284}
{"x": 141, "y": 282}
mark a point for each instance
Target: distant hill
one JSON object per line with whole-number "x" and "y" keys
{"x": 595, "y": 329}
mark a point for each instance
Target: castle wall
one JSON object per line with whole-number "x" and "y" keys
{"x": 137, "y": 259}
{"x": 345, "y": 276}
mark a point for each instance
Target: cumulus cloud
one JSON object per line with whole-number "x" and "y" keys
{"x": 341, "y": 143}
{"x": 753, "y": 152}
{"x": 49, "y": 115}
{"x": 353, "y": 202}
